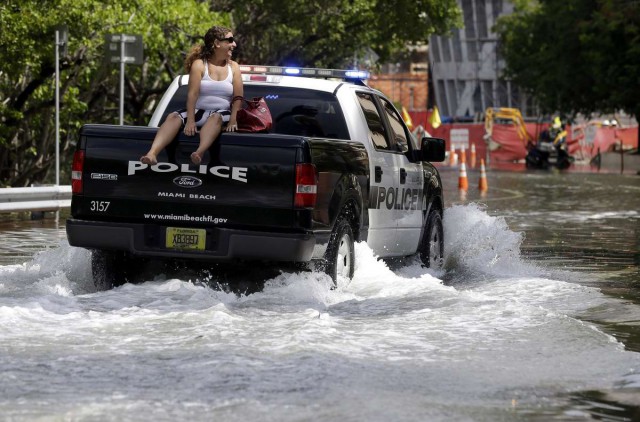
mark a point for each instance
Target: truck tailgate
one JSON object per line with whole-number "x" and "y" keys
{"x": 244, "y": 180}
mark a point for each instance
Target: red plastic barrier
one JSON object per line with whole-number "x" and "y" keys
{"x": 583, "y": 141}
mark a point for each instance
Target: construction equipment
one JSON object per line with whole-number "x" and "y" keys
{"x": 506, "y": 116}
{"x": 551, "y": 150}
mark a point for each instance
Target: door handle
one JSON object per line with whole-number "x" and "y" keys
{"x": 403, "y": 176}
{"x": 378, "y": 173}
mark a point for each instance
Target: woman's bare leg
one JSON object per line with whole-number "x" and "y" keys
{"x": 165, "y": 135}
{"x": 208, "y": 134}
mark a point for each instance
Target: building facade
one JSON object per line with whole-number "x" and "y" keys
{"x": 466, "y": 67}
{"x": 406, "y": 82}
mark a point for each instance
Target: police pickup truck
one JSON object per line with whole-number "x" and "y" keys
{"x": 339, "y": 166}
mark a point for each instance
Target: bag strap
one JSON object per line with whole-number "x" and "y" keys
{"x": 249, "y": 103}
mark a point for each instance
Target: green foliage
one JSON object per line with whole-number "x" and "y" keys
{"x": 333, "y": 33}
{"x": 88, "y": 85}
{"x": 575, "y": 56}
{"x": 327, "y": 33}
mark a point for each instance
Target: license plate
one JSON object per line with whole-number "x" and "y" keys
{"x": 181, "y": 238}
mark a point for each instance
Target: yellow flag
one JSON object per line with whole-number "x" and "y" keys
{"x": 407, "y": 118}
{"x": 434, "y": 118}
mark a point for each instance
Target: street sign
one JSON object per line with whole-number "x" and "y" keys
{"x": 63, "y": 39}
{"x": 123, "y": 49}
{"x": 459, "y": 138}
{"x": 133, "y": 49}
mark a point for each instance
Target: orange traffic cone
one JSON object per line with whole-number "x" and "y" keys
{"x": 483, "y": 186}
{"x": 452, "y": 156}
{"x": 463, "y": 155}
{"x": 463, "y": 182}
{"x": 473, "y": 156}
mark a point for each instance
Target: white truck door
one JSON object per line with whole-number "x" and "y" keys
{"x": 409, "y": 196}
{"x": 384, "y": 180}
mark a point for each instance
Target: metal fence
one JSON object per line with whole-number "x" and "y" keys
{"x": 39, "y": 198}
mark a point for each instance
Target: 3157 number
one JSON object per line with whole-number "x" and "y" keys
{"x": 99, "y": 206}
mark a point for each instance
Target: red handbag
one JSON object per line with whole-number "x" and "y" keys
{"x": 255, "y": 116}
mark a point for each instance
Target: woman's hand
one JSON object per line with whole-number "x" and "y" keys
{"x": 232, "y": 126}
{"x": 190, "y": 128}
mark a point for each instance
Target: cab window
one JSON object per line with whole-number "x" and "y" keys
{"x": 374, "y": 121}
{"x": 295, "y": 111}
{"x": 398, "y": 129}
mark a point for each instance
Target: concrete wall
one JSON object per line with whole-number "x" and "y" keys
{"x": 467, "y": 67}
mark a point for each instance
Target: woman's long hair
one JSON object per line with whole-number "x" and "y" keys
{"x": 205, "y": 51}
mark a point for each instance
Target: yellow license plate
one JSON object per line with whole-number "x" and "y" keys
{"x": 181, "y": 238}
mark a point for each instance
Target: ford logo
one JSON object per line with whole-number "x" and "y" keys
{"x": 187, "y": 182}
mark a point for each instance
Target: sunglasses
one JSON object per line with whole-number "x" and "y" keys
{"x": 230, "y": 39}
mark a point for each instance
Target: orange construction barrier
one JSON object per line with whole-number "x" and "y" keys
{"x": 463, "y": 182}
{"x": 473, "y": 156}
{"x": 483, "y": 185}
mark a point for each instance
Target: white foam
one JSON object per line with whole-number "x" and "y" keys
{"x": 501, "y": 331}
{"x": 478, "y": 242}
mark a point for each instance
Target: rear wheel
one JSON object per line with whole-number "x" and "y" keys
{"x": 111, "y": 269}
{"x": 339, "y": 259}
{"x": 432, "y": 245}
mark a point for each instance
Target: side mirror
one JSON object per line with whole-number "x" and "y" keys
{"x": 433, "y": 149}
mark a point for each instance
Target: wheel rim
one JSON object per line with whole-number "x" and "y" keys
{"x": 435, "y": 255}
{"x": 344, "y": 260}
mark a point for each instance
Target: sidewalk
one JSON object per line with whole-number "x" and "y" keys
{"x": 613, "y": 162}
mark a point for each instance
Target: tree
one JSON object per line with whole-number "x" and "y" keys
{"x": 333, "y": 33}
{"x": 575, "y": 56}
{"x": 88, "y": 85}
{"x": 314, "y": 33}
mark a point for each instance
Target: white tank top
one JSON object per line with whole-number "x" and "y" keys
{"x": 215, "y": 95}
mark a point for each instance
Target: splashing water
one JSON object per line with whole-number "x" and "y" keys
{"x": 500, "y": 341}
{"x": 478, "y": 243}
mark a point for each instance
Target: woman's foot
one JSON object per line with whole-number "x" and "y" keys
{"x": 196, "y": 158}
{"x": 149, "y": 159}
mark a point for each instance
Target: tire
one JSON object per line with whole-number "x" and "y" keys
{"x": 431, "y": 247}
{"x": 111, "y": 269}
{"x": 339, "y": 259}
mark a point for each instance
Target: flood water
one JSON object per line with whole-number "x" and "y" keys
{"x": 536, "y": 317}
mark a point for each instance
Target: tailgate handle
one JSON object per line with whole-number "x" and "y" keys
{"x": 403, "y": 176}
{"x": 378, "y": 171}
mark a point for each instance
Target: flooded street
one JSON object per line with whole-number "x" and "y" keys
{"x": 536, "y": 317}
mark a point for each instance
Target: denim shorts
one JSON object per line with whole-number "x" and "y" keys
{"x": 202, "y": 115}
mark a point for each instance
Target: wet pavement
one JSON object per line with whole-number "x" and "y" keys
{"x": 537, "y": 318}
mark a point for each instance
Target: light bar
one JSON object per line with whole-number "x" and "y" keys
{"x": 306, "y": 71}
{"x": 357, "y": 74}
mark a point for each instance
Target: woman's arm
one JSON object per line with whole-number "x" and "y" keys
{"x": 195, "y": 77}
{"x": 238, "y": 91}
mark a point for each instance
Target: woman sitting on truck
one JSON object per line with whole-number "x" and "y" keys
{"x": 214, "y": 79}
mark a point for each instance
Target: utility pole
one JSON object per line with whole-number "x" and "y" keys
{"x": 62, "y": 34}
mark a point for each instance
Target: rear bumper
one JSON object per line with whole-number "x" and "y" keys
{"x": 222, "y": 244}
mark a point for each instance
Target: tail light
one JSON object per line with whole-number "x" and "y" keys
{"x": 76, "y": 172}
{"x": 306, "y": 186}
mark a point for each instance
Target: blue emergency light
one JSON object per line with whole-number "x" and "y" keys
{"x": 353, "y": 74}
